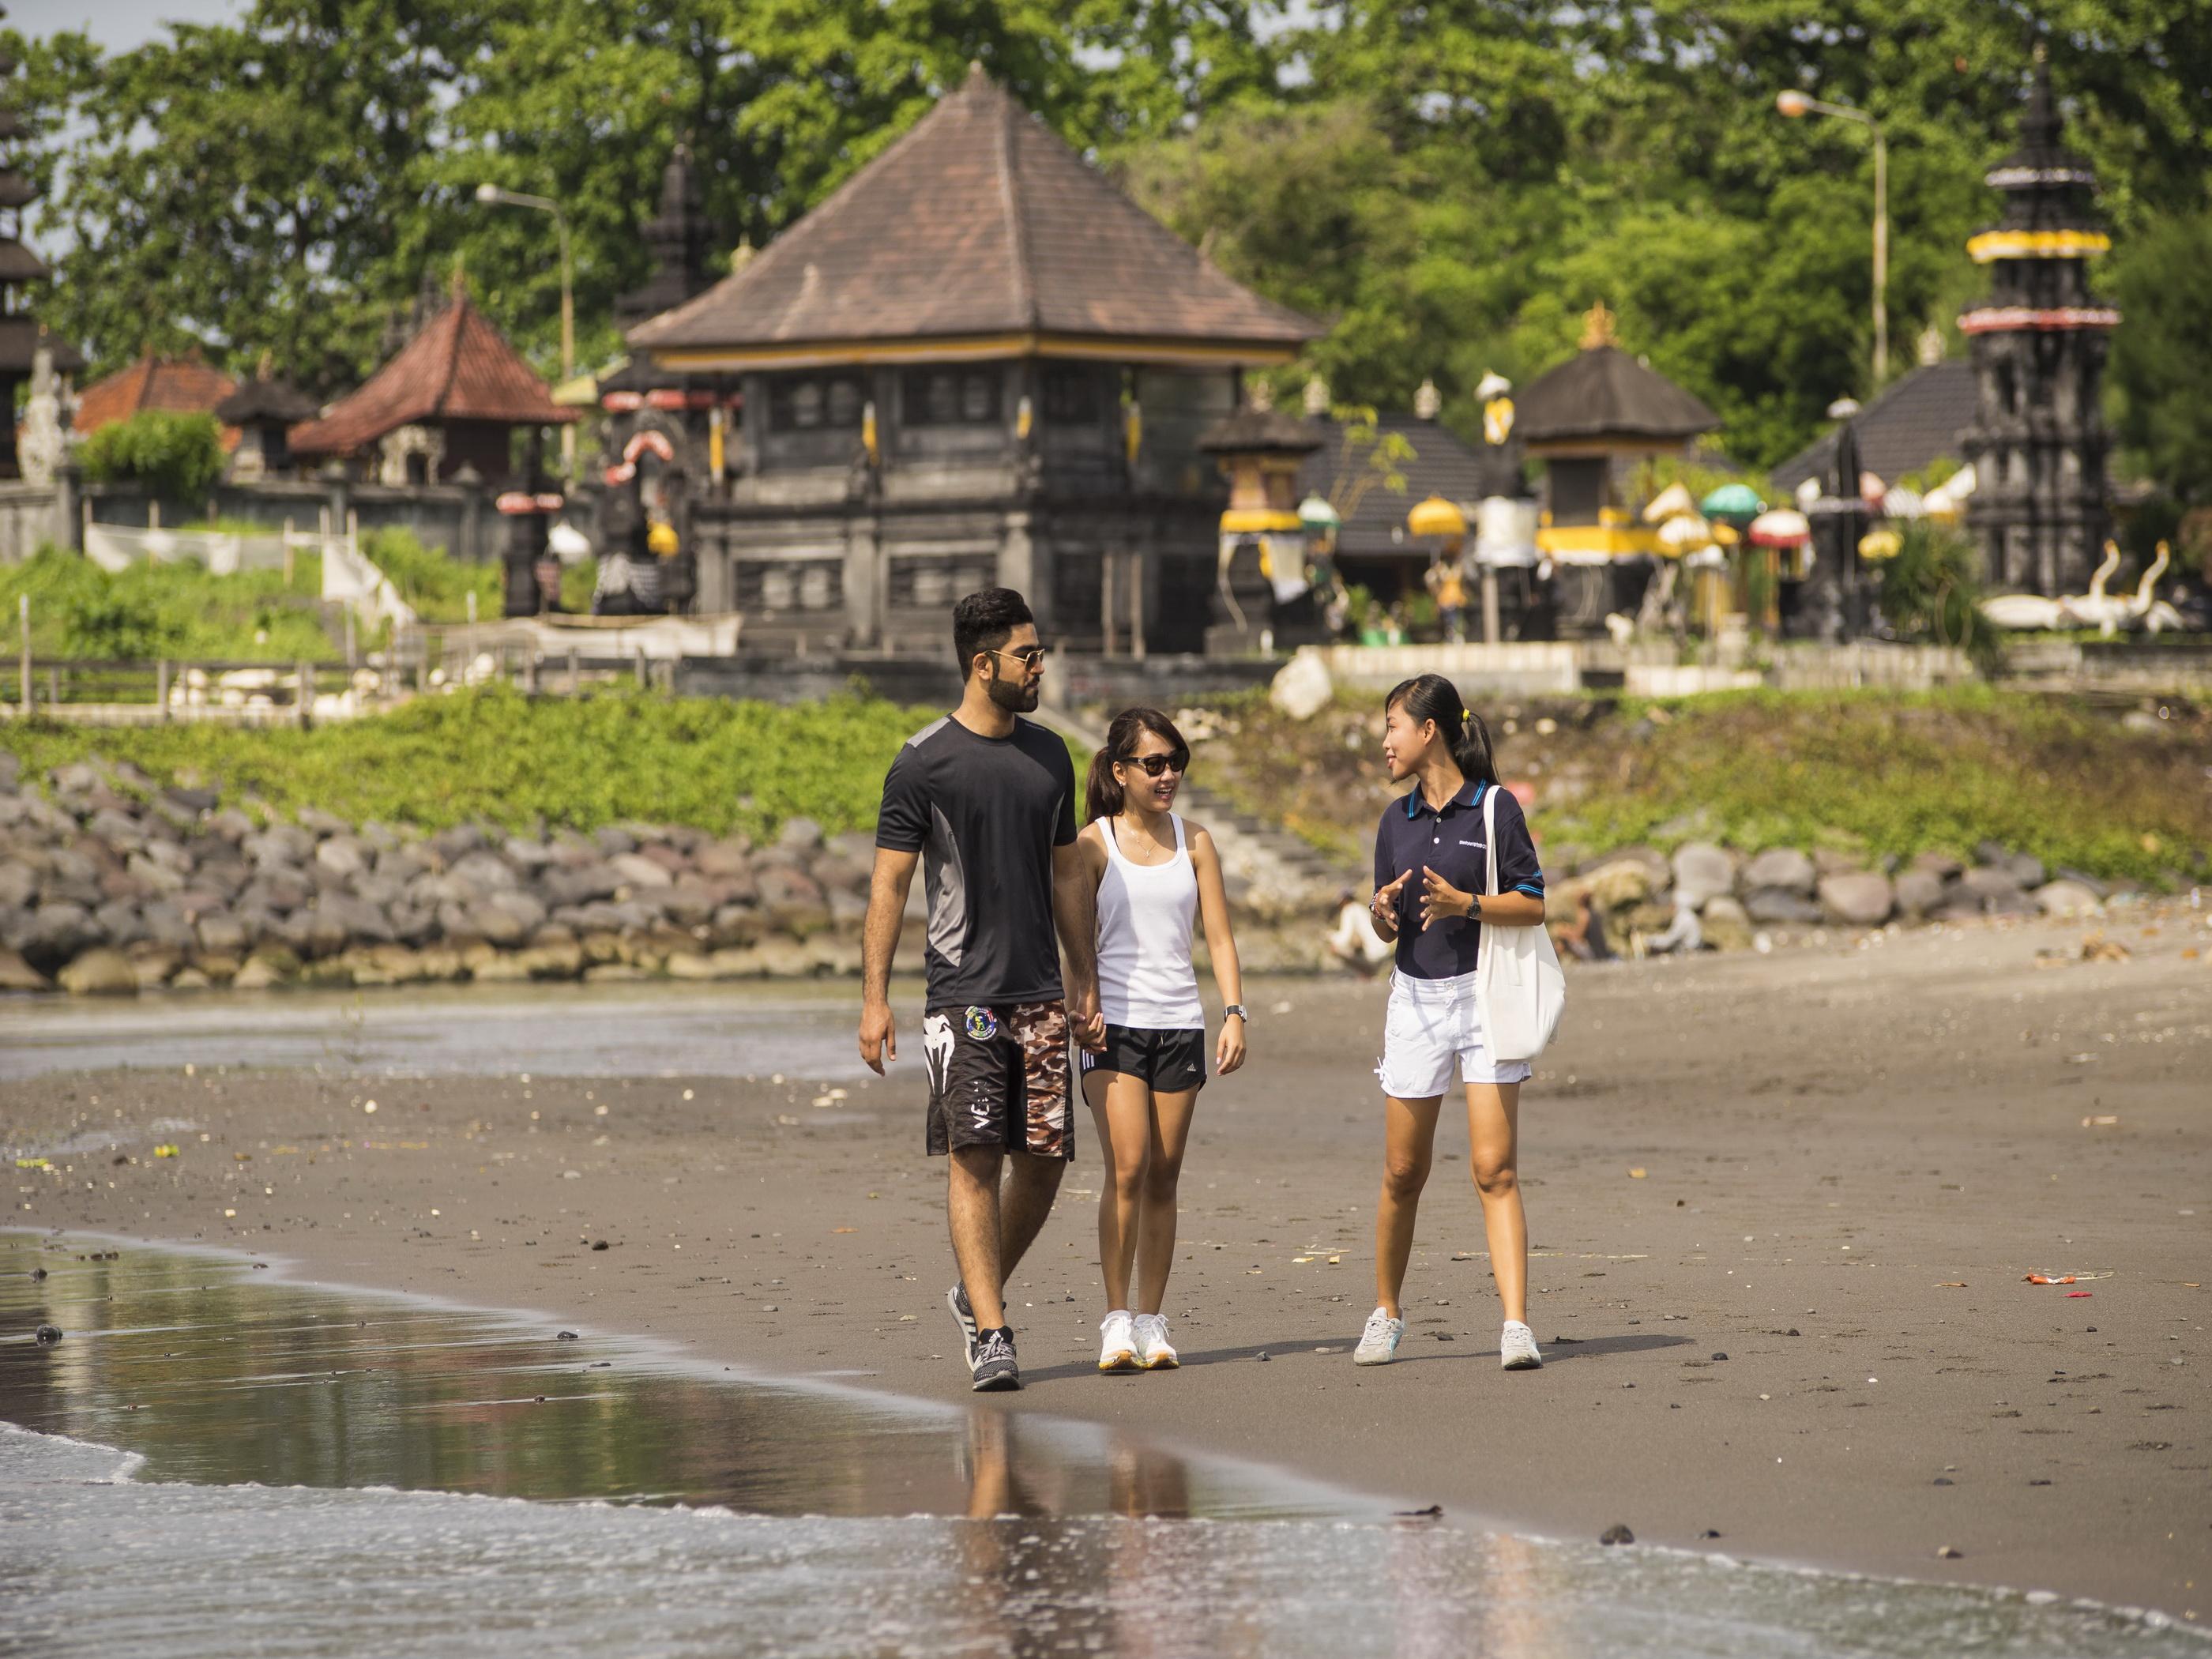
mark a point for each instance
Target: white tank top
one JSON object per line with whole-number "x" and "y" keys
{"x": 1146, "y": 978}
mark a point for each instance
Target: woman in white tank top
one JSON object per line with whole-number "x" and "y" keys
{"x": 1155, "y": 873}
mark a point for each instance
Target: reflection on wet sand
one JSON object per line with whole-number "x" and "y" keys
{"x": 318, "y": 1466}
{"x": 216, "y": 1375}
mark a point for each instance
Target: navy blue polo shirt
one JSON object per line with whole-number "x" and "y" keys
{"x": 1414, "y": 835}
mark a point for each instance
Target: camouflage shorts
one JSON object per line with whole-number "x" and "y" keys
{"x": 999, "y": 1077}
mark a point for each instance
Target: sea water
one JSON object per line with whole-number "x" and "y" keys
{"x": 214, "y": 1460}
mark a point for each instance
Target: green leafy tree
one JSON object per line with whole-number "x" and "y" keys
{"x": 2162, "y": 361}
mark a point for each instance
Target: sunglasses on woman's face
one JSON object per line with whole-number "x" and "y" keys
{"x": 1156, "y": 764}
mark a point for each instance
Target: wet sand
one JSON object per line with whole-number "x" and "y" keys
{"x": 1849, "y": 1157}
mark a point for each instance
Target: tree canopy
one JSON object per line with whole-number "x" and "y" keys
{"x": 1449, "y": 184}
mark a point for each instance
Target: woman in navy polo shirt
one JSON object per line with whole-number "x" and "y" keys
{"x": 1430, "y": 876}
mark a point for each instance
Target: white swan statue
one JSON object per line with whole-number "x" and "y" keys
{"x": 2138, "y": 610}
{"x": 2026, "y": 612}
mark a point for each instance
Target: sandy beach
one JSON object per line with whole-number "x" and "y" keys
{"x": 1785, "y": 1207}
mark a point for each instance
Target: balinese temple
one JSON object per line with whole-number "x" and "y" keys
{"x": 1589, "y": 421}
{"x": 977, "y": 362}
{"x": 2038, "y": 442}
{"x": 21, "y": 339}
{"x": 262, "y": 410}
{"x": 454, "y": 396}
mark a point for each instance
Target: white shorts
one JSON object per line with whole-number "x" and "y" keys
{"x": 1431, "y": 1022}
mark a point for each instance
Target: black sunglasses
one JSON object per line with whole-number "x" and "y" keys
{"x": 1030, "y": 656}
{"x": 1156, "y": 764}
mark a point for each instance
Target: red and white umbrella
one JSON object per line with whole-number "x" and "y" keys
{"x": 1782, "y": 527}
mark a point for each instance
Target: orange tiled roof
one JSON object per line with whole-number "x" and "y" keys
{"x": 185, "y": 386}
{"x": 459, "y": 367}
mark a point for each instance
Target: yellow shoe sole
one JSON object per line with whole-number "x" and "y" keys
{"x": 1123, "y": 1361}
{"x": 1166, "y": 1363}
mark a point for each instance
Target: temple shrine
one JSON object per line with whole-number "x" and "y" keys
{"x": 454, "y": 396}
{"x": 2037, "y": 441}
{"x": 1590, "y": 420}
{"x": 978, "y": 362}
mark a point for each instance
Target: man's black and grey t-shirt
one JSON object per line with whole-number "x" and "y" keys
{"x": 985, "y": 814}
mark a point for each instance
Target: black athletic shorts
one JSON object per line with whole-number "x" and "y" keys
{"x": 1169, "y": 1061}
{"x": 997, "y": 1077}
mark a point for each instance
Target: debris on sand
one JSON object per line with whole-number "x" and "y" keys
{"x": 1618, "y": 1533}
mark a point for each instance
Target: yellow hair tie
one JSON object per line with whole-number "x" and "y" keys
{"x": 1464, "y": 717}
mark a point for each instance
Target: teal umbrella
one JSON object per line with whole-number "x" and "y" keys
{"x": 1732, "y": 500}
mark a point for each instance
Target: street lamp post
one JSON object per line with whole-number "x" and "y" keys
{"x": 1796, "y": 105}
{"x": 494, "y": 195}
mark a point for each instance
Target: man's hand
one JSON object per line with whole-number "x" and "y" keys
{"x": 1383, "y": 907}
{"x": 1440, "y": 900}
{"x": 1086, "y": 1021}
{"x": 878, "y": 1035}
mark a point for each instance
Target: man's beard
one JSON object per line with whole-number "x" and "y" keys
{"x": 1017, "y": 696}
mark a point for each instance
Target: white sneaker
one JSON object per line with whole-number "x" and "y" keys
{"x": 1517, "y": 1348}
{"x": 1378, "y": 1343}
{"x": 1153, "y": 1345}
{"x": 1117, "y": 1343}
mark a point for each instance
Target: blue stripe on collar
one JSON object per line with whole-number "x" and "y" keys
{"x": 1470, "y": 795}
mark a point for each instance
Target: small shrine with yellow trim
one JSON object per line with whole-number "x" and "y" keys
{"x": 1588, "y": 420}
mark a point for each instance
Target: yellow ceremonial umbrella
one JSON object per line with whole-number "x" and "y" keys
{"x": 1436, "y": 517}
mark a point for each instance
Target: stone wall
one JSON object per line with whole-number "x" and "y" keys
{"x": 110, "y": 883}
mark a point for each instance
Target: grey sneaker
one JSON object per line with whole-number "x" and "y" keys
{"x": 993, "y": 1366}
{"x": 965, "y": 1316}
{"x": 1378, "y": 1343}
{"x": 1517, "y": 1348}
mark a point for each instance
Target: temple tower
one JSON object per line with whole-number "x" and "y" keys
{"x": 2038, "y": 441}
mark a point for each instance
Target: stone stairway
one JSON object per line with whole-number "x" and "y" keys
{"x": 1269, "y": 870}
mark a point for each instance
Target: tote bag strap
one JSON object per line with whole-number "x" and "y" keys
{"x": 1490, "y": 838}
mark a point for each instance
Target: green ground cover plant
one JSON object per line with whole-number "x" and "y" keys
{"x": 496, "y": 755}
{"x": 1877, "y": 774}
{"x": 174, "y": 610}
{"x": 436, "y": 586}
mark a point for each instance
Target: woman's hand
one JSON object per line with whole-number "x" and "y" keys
{"x": 1229, "y": 1047}
{"x": 1440, "y": 900}
{"x": 1383, "y": 907}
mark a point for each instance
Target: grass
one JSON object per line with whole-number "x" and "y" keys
{"x": 1876, "y": 773}
{"x": 497, "y": 756}
{"x": 175, "y": 610}
{"x": 180, "y": 611}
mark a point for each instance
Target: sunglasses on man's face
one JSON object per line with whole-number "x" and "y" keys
{"x": 1155, "y": 765}
{"x": 1030, "y": 656}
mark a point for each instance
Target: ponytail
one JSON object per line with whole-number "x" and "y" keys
{"x": 1103, "y": 795}
{"x": 1432, "y": 697}
{"x": 1101, "y": 791}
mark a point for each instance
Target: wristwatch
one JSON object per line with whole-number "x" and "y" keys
{"x": 1237, "y": 1009}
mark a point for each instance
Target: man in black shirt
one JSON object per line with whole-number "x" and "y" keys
{"x": 985, "y": 802}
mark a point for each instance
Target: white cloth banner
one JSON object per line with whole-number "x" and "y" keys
{"x": 118, "y": 547}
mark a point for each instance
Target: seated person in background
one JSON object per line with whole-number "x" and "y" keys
{"x": 1685, "y": 934}
{"x": 1355, "y": 942}
{"x": 1583, "y": 938}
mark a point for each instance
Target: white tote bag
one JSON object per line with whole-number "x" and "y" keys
{"x": 1519, "y": 991}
